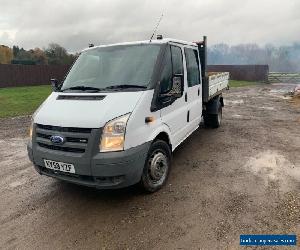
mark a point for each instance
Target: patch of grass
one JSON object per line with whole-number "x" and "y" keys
{"x": 234, "y": 83}
{"x": 22, "y": 100}
{"x": 25, "y": 100}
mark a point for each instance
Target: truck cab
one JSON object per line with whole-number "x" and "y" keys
{"x": 120, "y": 113}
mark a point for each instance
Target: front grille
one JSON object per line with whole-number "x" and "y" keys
{"x": 69, "y": 139}
{"x": 65, "y": 129}
{"x": 76, "y": 139}
{"x": 65, "y": 149}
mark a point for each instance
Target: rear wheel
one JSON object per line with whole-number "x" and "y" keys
{"x": 213, "y": 120}
{"x": 216, "y": 119}
{"x": 157, "y": 167}
{"x": 212, "y": 113}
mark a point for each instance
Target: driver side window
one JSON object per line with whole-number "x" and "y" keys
{"x": 166, "y": 75}
{"x": 173, "y": 65}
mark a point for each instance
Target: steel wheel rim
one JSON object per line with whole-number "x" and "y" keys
{"x": 157, "y": 168}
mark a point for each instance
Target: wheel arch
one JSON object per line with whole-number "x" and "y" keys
{"x": 164, "y": 135}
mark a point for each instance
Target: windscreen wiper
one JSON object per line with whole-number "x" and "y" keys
{"x": 83, "y": 88}
{"x": 125, "y": 86}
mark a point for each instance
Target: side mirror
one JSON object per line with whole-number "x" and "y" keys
{"x": 55, "y": 85}
{"x": 177, "y": 86}
{"x": 174, "y": 92}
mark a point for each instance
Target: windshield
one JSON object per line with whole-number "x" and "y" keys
{"x": 113, "y": 67}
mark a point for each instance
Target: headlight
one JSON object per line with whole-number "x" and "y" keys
{"x": 113, "y": 134}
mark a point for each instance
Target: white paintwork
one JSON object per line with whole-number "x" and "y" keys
{"x": 139, "y": 132}
{"x": 194, "y": 105}
{"x": 86, "y": 113}
{"x": 171, "y": 120}
{"x": 175, "y": 115}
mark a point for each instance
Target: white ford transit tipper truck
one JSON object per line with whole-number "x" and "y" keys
{"x": 122, "y": 110}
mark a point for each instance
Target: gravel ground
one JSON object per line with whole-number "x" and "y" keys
{"x": 243, "y": 178}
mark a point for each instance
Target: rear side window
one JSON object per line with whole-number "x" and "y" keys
{"x": 192, "y": 66}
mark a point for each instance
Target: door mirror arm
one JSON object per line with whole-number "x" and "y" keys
{"x": 56, "y": 86}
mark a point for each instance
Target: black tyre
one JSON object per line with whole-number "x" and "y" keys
{"x": 206, "y": 120}
{"x": 215, "y": 120}
{"x": 157, "y": 167}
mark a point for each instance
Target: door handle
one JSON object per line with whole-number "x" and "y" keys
{"x": 198, "y": 92}
{"x": 185, "y": 97}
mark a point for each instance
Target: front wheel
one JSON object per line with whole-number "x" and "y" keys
{"x": 157, "y": 167}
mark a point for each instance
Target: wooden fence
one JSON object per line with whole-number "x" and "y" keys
{"x": 243, "y": 72}
{"x": 275, "y": 77}
{"x": 25, "y": 75}
{"x": 12, "y": 75}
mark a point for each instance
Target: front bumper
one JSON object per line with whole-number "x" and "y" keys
{"x": 101, "y": 170}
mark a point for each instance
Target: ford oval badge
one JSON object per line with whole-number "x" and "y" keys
{"x": 57, "y": 139}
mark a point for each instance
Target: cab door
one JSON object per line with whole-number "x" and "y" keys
{"x": 174, "y": 115}
{"x": 194, "y": 88}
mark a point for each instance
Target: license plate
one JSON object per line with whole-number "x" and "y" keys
{"x": 60, "y": 166}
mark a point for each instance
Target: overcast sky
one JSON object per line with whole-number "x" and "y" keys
{"x": 75, "y": 23}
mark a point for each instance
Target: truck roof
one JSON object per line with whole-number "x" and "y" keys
{"x": 159, "y": 41}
